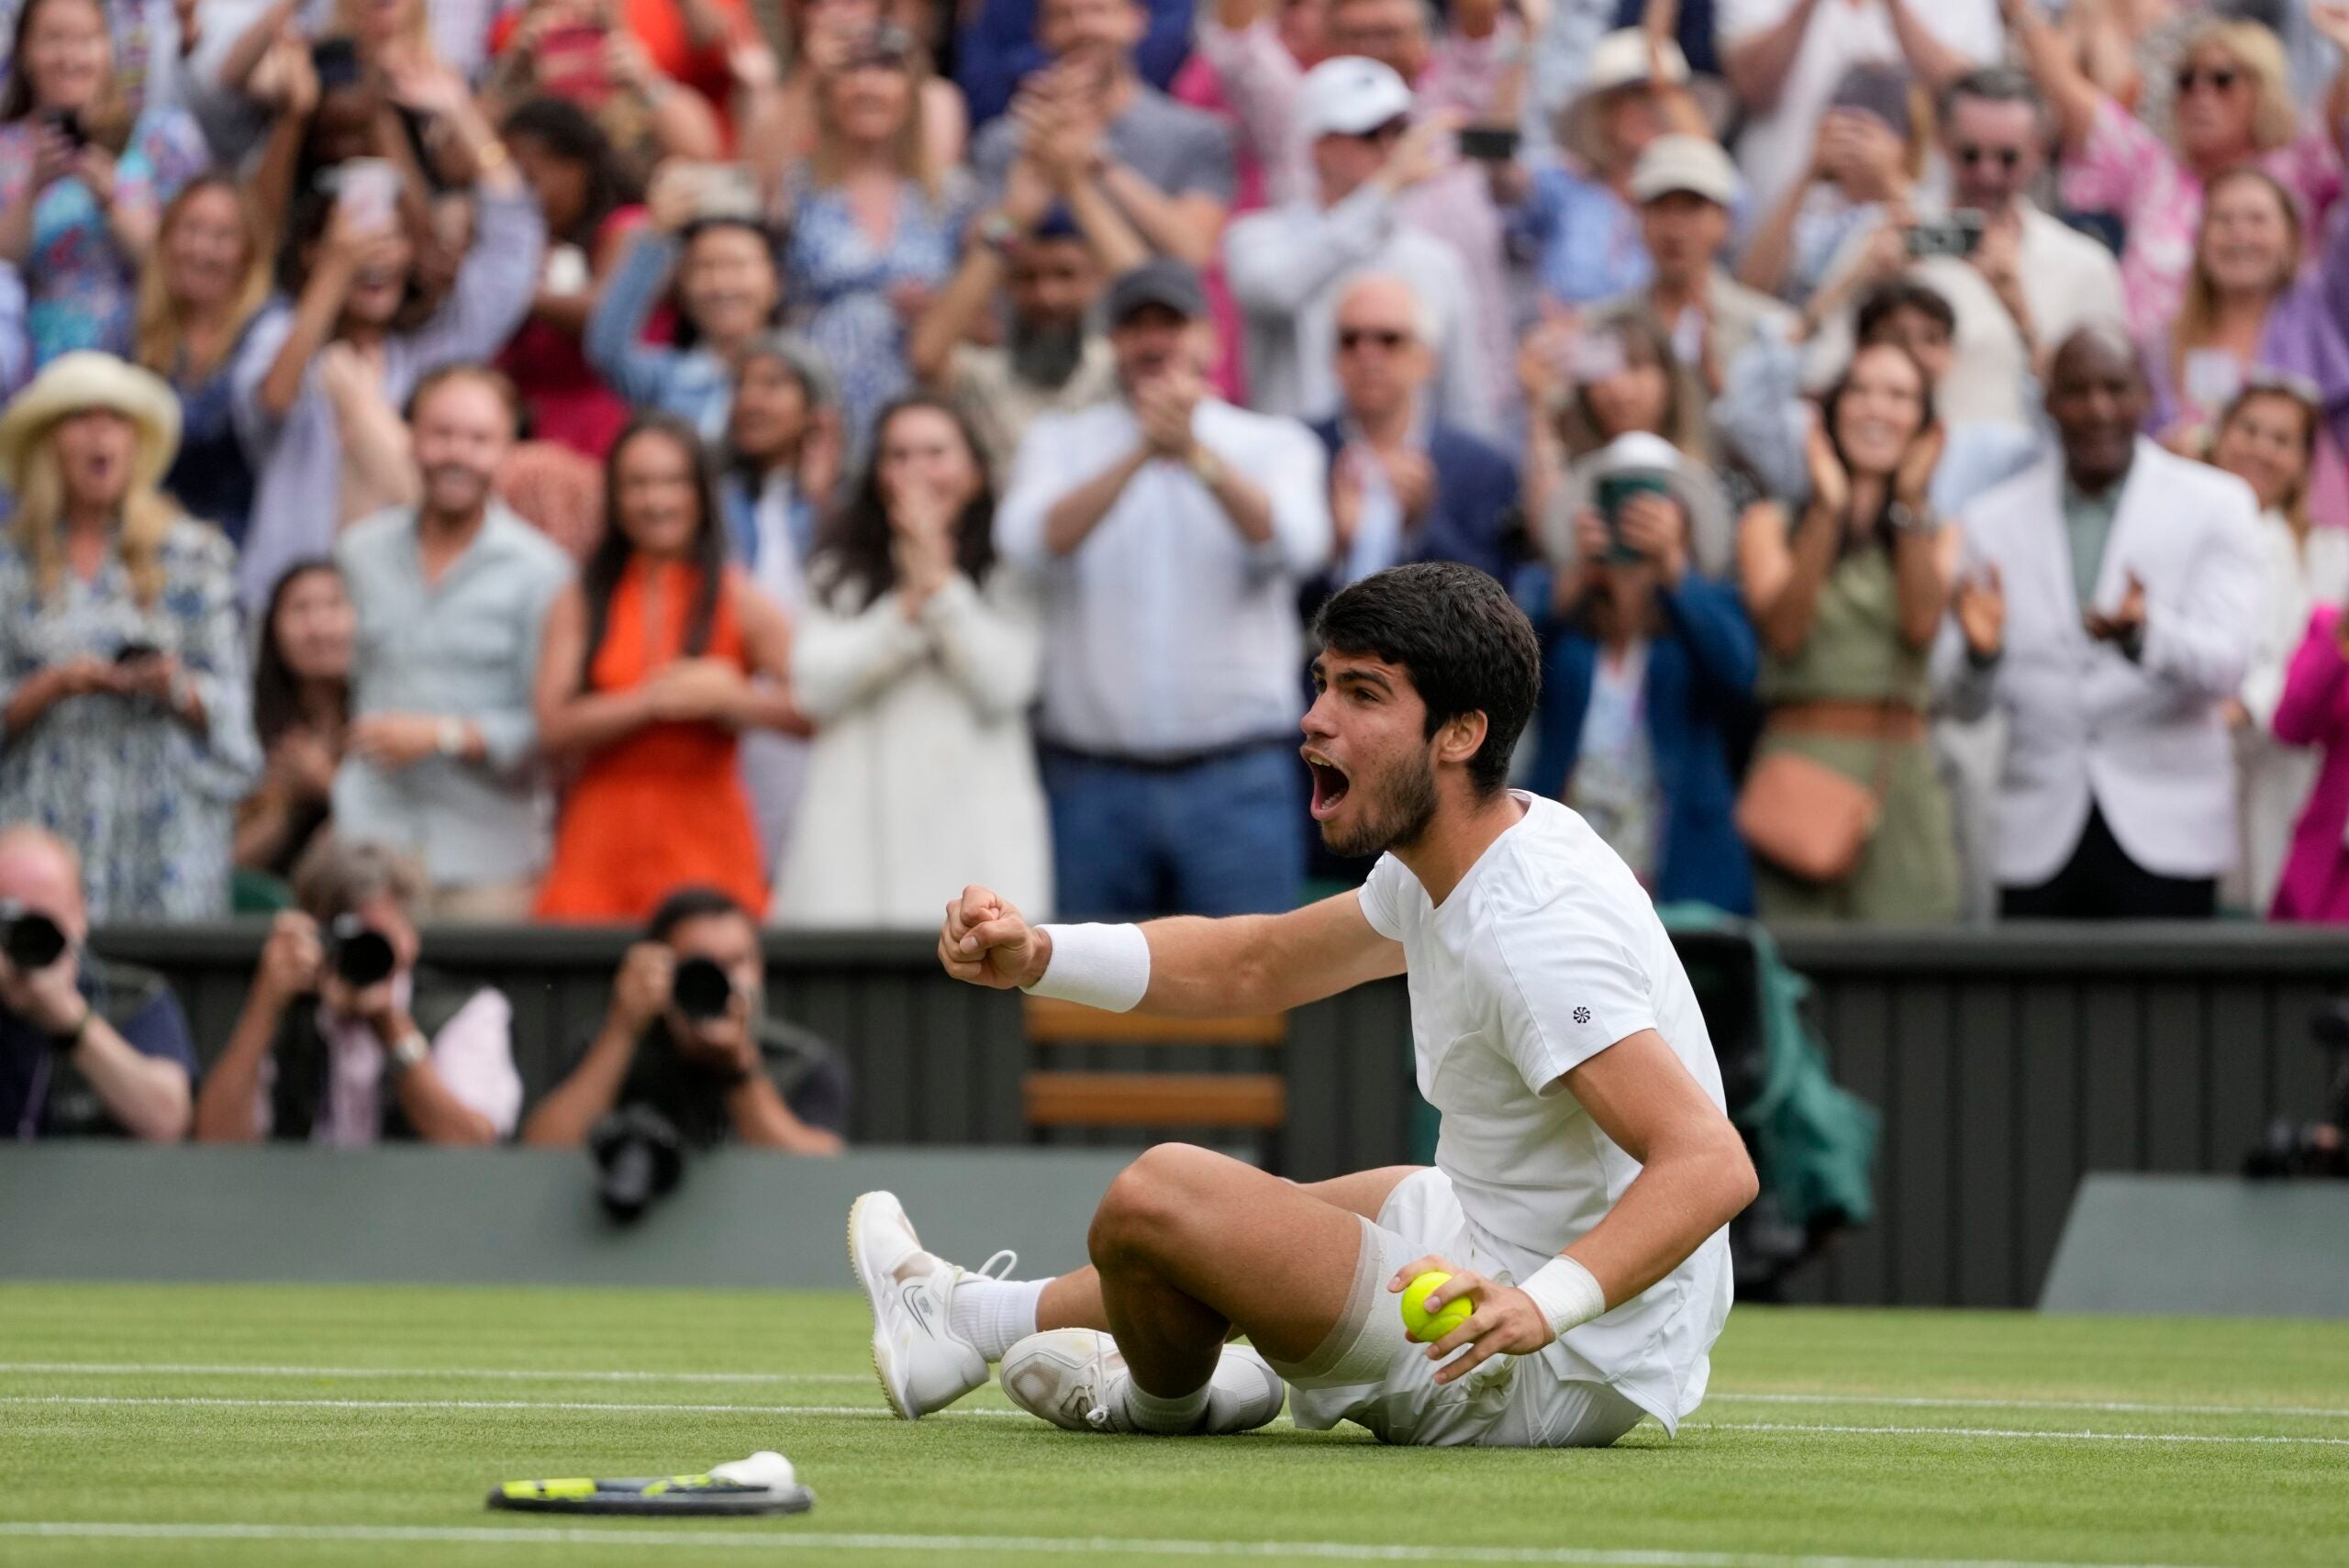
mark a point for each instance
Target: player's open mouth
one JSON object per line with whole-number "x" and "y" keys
{"x": 1329, "y": 785}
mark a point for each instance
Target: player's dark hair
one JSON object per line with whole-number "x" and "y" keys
{"x": 1889, "y": 298}
{"x": 698, "y": 901}
{"x": 1466, "y": 646}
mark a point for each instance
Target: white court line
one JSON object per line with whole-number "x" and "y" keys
{"x": 202, "y": 1401}
{"x": 516, "y": 1374}
{"x": 2122, "y": 1406}
{"x": 1082, "y": 1546}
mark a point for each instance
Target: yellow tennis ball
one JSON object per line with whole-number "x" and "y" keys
{"x": 1426, "y": 1327}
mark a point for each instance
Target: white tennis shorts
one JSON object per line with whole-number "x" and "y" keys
{"x": 1370, "y": 1373}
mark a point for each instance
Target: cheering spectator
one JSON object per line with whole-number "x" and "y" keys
{"x": 1648, "y": 667}
{"x": 2109, "y": 613}
{"x": 2233, "y": 106}
{"x": 1047, "y": 248}
{"x": 2314, "y": 711}
{"x": 1170, "y": 530}
{"x": 1864, "y": 165}
{"x": 1686, "y": 185}
{"x": 654, "y": 660}
{"x": 83, "y": 177}
{"x": 1572, "y": 209}
{"x": 1288, "y": 265}
{"x": 87, "y": 1046}
{"x": 356, "y": 271}
{"x": 1847, "y": 596}
{"x": 128, "y": 730}
{"x": 1404, "y": 485}
{"x": 743, "y": 1076}
{"x": 728, "y": 292}
{"x": 1459, "y": 76}
{"x": 1167, "y": 168}
{"x": 1005, "y": 42}
{"x": 581, "y": 191}
{"x": 301, "y": 710}
{"x": 450, "y": 595}
{"x": 2249, "y": 306}
{"x": 2030, "y": 279}
{"x": 584, "y": 51}
{"x": 1786, "y": 58}
{"x": 148, "y": 44}
{"x": 1587, "y": 390}
{"x": 343, "y": 1041}
{"x": 872, "y": 225}
{"x": 206, "y": 282}
{"x": 828, "y": 32}
{"x": 784, "y": 451}
{"x": 917, "y": 661}
{"x": 2268, "y": 439}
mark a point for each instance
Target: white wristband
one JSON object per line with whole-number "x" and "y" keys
{"x": 1566, "y": 1294}
{"x": 1100, "y": 966}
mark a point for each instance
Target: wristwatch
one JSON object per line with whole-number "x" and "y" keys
{"x": 1903, "y": 518}
{"x": 998, "y": 231}
{"x": 450, "y": 741}
{"x": 412, "y": 1049}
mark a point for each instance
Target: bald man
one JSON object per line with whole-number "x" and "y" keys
{"x": 1405, "y": 484}
{"x": 87, "y": 1048}
{"x": 2108, "y": 608}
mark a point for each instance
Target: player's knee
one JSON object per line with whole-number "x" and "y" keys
{"x": 1150, "y": 1205}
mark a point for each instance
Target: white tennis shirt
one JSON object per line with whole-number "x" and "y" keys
{"x": 1548, "y": 952}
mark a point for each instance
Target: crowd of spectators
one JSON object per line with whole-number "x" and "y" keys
{"x": 541, "y": 454}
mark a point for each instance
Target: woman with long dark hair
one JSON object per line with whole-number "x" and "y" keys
{"x": 917, "y": 661}
{"x": 655, "y": 660}
{"x": 1847, "y": 597}
{"x": 301, "y": 708}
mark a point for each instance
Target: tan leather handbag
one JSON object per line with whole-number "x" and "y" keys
{"x": 1806, "y": 818}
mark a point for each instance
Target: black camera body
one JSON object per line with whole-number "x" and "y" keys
{"x": 639, "y": 1159}
{"x": 358, "y": 954}
{"x": 29, "y": 939}
{"x": 2319, "y": 1147}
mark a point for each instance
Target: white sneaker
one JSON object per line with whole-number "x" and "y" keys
{"x": 1075, "y": 1378}
{"x": 923, "y": 1363}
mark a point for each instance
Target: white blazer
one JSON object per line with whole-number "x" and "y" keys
{"x": 2143, "y": 741}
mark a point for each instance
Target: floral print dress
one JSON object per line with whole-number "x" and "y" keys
{"x": 147, "y": 800}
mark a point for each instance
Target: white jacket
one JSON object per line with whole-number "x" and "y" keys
{"x": 923, "y": 777}
{"x": 2145, "y": 740}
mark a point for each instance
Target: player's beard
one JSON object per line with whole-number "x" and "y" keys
{"x": 1405, "y": 805}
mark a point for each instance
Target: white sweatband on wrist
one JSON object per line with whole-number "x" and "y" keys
{"x": 1566, "y": 1294}
{"x": 1100, "y": 966}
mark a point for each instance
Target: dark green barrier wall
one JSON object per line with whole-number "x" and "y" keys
{"x": 2008, "y": 1063}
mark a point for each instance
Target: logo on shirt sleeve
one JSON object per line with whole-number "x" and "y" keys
{"x": 1582, "y": 1015}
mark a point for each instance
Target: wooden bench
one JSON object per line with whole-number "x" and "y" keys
{"x": 1067, "y": 1097}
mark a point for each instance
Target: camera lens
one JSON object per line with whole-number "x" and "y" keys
{"x": 31, "y": 940}
{"x": 362, "y": 955}
{"x": 701, "y": 990}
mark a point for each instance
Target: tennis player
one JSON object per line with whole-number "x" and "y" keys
{"x": 1584, "y": 1173}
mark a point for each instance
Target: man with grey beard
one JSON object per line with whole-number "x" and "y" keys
{"x": 1045, "y": 252}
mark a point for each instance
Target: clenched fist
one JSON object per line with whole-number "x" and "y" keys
{"x": 988, "y": 942}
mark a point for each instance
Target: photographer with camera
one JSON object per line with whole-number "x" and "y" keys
{"x": 688, "y": 1036}
{"x": 86, "y": 1047}
{"x": 343, "y": 1040}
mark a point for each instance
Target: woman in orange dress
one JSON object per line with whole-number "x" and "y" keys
{"x": 654, "y": 662}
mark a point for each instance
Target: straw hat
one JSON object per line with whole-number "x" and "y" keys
{"x": 76, "y": 382}
{"x": 1619, "y": 59}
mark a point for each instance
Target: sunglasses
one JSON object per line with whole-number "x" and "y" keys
{"x": 2005, "y": 157}
{"x": 1351, "y": 338}
{"x": 2218, "y": 78}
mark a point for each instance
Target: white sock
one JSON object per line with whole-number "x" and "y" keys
{"x": 994, "y": 1313}
{"x": 1170, "y": 1418}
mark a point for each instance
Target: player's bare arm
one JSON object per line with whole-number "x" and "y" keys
{"x": 1695, "y": 1177}
{"x": 1198, "y": 968}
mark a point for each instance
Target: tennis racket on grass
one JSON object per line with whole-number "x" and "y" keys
{"x": 763, "y": 1484}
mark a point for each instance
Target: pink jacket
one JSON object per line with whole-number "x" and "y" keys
{"x": 2314, "y": 711}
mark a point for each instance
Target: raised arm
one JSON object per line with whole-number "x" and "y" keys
{"x": 1757, "y": 65}
{"x": 2074, "y": 98}
{"x": 1187, "y": 967}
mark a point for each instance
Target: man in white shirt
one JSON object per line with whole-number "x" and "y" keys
{"x": 1169, "y": 530}
{"x": 1288, "y": 265}
{"x": 1585, "y": 1171}
{"x": 2031, "y": 282}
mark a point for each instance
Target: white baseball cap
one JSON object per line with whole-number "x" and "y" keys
{"x": 1351, "y": 95}
{"x": 1678, "y": 163}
